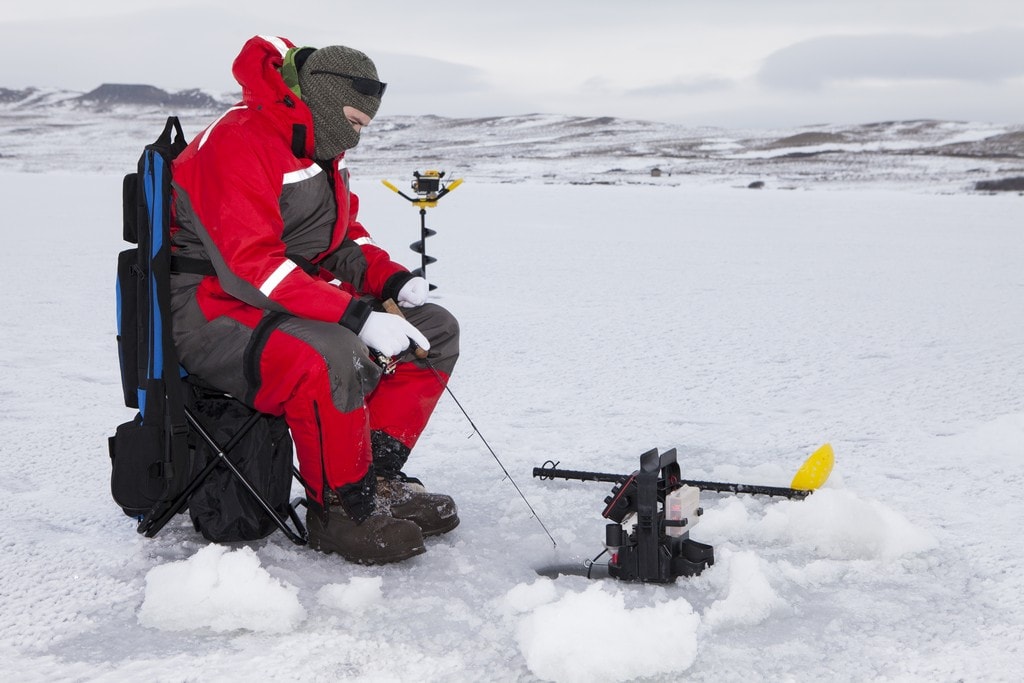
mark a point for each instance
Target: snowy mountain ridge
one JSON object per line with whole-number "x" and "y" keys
{"x": 110, "y": 95}
{"x": 105, "y": 128}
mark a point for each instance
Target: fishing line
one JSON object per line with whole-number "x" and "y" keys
{"x": 391, "y": 307}
{"x": 491, "y": 450}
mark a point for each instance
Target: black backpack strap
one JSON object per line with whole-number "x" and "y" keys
{"x": 165, "y": 404}
{"x": 197, "y": 266}
{"x": 304, "y": 264}
{"x": 192, "y": 266}
{"x": 172, "y": 140}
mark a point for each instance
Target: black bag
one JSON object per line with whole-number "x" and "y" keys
{"x": 137, "y": 480}
{"x": 221, "y": 509}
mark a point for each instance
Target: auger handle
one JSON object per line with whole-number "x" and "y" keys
{"x": 450, "y": 187}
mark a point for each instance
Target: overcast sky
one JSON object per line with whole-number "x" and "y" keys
{"x": 709, "y": 62}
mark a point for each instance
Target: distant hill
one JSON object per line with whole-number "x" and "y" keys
{"x": 104, "y": 129}
{"x": 114, "y": 95}
{"x": 111, "y": 94}
{"x": 7, "y": 95}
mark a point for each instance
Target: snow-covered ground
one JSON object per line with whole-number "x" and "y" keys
{"x": 744, "y": 328}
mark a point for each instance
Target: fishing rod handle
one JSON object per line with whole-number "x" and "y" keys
{"x": 391, "y": 307}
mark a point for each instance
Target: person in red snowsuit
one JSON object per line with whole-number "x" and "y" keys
{"x": 277, "y": 291}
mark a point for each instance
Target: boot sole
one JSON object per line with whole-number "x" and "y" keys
{"x": 382, "y": 559}
{"x": 454, "y": 522}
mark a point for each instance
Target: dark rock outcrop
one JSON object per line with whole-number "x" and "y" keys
{"x": 7, "y": 95}
{"x": 1015, "y": 184}
{"x": 117, "y": 94}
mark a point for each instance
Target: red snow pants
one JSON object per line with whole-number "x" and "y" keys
{"x": 321, "y": 378}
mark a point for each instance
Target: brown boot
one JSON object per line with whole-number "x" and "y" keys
{"x": 433, "y": 513}
{"x": 379, "y": 539}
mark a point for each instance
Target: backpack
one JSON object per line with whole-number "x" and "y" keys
{"x": 149, "y": 454}
{"x": 160, "y": 460}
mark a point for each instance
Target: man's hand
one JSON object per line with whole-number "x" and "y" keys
{"x": 391, "y": 334}
{"x": 413, "y": 293}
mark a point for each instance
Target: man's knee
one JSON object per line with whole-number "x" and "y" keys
{"x": 442, "y": 329}
{"x": 447, "y": 323}
{"x": 314, "y": 353}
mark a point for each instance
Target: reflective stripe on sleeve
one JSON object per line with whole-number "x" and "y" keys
{"x": 302, "y": 174}
{"x": 275, "y": 278}
{"x": 363, "y": 240}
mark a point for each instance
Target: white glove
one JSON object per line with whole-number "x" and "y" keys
{"x": 413, "y": 293}
{"x": 391, "y": 334}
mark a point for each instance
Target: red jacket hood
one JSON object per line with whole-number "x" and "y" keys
{"x": 257, "y": 70}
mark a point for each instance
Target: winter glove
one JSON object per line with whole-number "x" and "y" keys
{"x": 413, "y": 293}
{"x": 391, "y": 334}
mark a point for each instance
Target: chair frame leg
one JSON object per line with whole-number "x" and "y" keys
{"x": 157, "y": 518}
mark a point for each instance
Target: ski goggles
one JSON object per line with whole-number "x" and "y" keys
{"x": 363, "y": 86}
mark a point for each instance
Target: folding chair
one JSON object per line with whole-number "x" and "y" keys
{"x": 155, "y": 456}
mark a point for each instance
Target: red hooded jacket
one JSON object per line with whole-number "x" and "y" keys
{"x": 250, "y": 200}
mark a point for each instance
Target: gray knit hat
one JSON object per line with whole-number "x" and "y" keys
{"x": 331, "y": 78}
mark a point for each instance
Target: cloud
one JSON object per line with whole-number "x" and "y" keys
{"x": 166, "y": 48}
{"x": 417, "y": 74}
{"x": 659, "y": 60}
{"x": 708, "y": 84}
{"x": 982, "y": 56}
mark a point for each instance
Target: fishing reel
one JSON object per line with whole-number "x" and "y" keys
{"x": 651, "y": 513}
{"x": 658, "y": 547}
